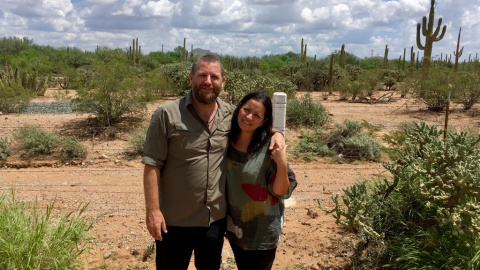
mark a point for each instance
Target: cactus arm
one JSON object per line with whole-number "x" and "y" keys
{"x": 441, "y": 35}
{"x": 424, "y": 26}
{"x": 419, "y": 42}
{"x": 437, "y": 30}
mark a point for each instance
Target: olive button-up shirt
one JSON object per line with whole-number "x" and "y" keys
{"x": 191, "y": 159}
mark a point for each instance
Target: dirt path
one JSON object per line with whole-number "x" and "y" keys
{"x": 112, "y": 184}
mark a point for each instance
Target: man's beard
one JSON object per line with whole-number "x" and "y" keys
{"x": 205, "y": 98}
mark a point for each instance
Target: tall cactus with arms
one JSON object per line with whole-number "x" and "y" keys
{"x": 430, "y": 36}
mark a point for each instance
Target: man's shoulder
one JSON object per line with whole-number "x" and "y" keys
{"x": 225, "y": 105}
{"x": 170, "y": 106}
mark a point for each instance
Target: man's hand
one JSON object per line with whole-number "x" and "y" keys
{"x": 277, "y": 141}
{"x": 155, "y": 220}
{"x": 156, "y": 224}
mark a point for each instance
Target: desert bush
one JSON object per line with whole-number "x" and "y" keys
{"x": 467, "y": 88}
{"x": 12, "y": 93}
{"x": 360, "y": 146}
{"x": 137, "y": 141}
{"x": 113, "y": 92}
{"x": 346, "y": 142}
{"x": 285, "y": 86}
{"x": 237, "y": 85}
{"x": 177, "y": 75}
{"x": 314, "y": 76}
{"x": 4, "y": 148}
{"x": 426, "y": 212}
{"x": 70, "y": 148}
{"x": 433, "y": 91}
{"x": 32, "y": 238}
{"x": 35, "y": 141}
{"x": 306, "y": 112}
{"x": 156, "y": 86}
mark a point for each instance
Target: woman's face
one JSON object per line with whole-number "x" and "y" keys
{"x": 251, "y": 115}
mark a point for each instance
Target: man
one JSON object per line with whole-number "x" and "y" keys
{"x": 184, "y": 175}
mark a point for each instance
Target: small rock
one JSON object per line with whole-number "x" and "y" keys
{"x": 107, "y": 255}
{"x": 103, "y": 156}
{"x": 134, "y": 252}
{"x": 312, "y": 213}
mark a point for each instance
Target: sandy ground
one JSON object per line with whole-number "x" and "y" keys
{"x": 111, "y": 182}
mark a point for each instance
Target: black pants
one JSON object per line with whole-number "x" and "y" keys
{"x": 175, "y": 251}
{"x": 253, "y": 259}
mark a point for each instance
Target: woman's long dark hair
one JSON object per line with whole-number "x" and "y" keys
{"x": 264, "y": 132}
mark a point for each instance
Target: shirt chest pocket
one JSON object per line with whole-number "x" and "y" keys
{"x": 219, "y": 139}
{"x": 186, "y": 141}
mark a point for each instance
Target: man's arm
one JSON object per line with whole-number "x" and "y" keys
{"x": 277, "y": 141}
{"x": 154, "y": 220}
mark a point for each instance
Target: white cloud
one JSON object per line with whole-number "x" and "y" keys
{"x": 211, "y": 7}
{"x": 162, "y": 8}
{"x": 58, "y": 7}
{"x": 103, "y": 2}
{"x": 241, "y": 27}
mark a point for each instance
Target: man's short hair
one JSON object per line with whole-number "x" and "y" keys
{"x": 209, "y": 58}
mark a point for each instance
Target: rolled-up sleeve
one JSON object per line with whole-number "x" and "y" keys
{"x": 156, "y": 145}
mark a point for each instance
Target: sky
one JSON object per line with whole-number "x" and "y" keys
{"x": 244, "y": 27}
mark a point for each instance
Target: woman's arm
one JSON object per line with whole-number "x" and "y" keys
{"x": 281, "y": 183}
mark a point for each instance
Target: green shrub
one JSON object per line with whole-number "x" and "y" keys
{"x": 308, "y": 146}
{"x": 35, "y": 141}
{"x": 307, "y": 113}
{"x": 71, "y": 148}
{"x": 345, "y": 141}
{"x": 34, "y": 239}
{"x": 113, "y": 92}
{"x": 467, "y": 88}
{"x": 433, "y": 91}
{"x": 12, "y": 93}
{"x": 360, "y": 146}
{"x": 137, "y": 141}
{"x": 177, "y": 75}
{"x": 4, "y": 148}
{"x": 426, "y": 213}
{"x": 237, "y": 86}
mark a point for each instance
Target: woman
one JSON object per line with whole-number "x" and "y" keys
{"x": 258, "y": 180}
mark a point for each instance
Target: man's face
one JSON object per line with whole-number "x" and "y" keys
{"x": 207, "y": 82}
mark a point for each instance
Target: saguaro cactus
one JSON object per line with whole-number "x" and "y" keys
{"x": 412, "y": 58}
{"x": 330, "y": 75}
{"x": 430, "y": 36}
{"x": 385, "y": 57}
{"x": 303, "y": 52}
{"x": 184, "y": 49}
{"x": 135, "y": 52}
{"x": 458, "y": 53}
{"x": 342, "y": 56}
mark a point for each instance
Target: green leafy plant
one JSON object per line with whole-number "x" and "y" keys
{"x": 35, "y": 239}
{"x": 137, "y": 141}
{"x": 112, "y": 93}
{"x": 35, "y": 141}
{"x": 71, "y": 148}
{"x": 346, "y": 141}
{"x": 12, "y": 94}
{"x": 306, "y": 112}
{"x": 426, "y": 213}
{"x": 4, "y": 148}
